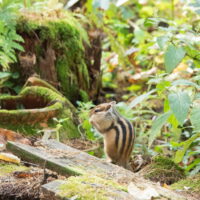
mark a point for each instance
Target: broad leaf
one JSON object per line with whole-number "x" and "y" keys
{"x": 179, "y": 103}
{"x": 140, "y": 98}
{"x": 195, "y": 118}
{"x": 162, "y": 40}
{"x": 185, "y": 82}
{"x": 180, "y": 153}
{"x": 157, "y": 125}
{"x": 4, "y": 75}
{"x": 173, "y": 57}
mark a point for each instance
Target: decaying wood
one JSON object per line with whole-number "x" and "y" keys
{"x": 51, "y": 190}
{"x": 67, "y": 160}
{"x": 47, "y": 65}
{"x": 24, "y": 184}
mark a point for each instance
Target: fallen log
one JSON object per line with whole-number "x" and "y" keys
{"x": 69, "y": 161}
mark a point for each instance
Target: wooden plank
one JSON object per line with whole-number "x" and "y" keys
{"x": 69, "y": 161}
{"x": 53, "y": 191}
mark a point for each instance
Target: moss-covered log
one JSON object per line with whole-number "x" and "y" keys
{"x": 36, "y": 105}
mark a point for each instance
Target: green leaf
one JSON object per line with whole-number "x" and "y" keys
{"x": 140, "y": 98}
{"x": 193, "y": 164}
{"x": 196, "y": 170}
{"x": 180, "y": 153}
{"x": 185, "y": 82}
{"x": 17, "y": 46}
{"x": 173, "y": 57}
{"x": 195, "y": 118}
{"x": 179, "y": 103}
{"x": 157, "y": 124}
{"x": 162, "y": 40}
{"x": 4, "y": 75}
{"x": 192, "y": 52}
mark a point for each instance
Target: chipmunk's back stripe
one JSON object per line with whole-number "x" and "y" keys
{"x": 129, "y": 146}
{"x": 117, "y": 136}
{"x": 123, "y": 135}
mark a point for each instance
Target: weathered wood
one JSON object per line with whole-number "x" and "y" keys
{"x": 67, "y": 160}
{"x": 52, "y": 191}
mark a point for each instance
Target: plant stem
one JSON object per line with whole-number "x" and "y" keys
{"x": 172, "y": 9}
{"x": 25, "y": 3}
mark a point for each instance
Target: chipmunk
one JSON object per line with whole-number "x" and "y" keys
{"x": 117, "y": 132}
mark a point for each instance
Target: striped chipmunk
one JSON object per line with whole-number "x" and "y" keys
{"x": 117, "y": 132}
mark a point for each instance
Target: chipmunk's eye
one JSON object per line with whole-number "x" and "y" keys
{"x": 97, "y": 110}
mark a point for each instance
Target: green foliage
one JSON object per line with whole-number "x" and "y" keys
{"x": 195, "y": 118}
{"x": 164, "y": 39}
{"x": 9, "y": 39}
{"x": 173, "y": 57}
{"x": 179, "y": 103}
{"x": 157, "y": 125}
{"x": 184, "y": 147}
{"x": 140, "y": 98}
{"x": 85, "y": 128}
{"x": 59, "y": 126}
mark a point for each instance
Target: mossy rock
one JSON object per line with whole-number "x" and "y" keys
{"x": 54, "y": 50}
{"x": 163, "y": 170}
{"x": 190, "y": 184}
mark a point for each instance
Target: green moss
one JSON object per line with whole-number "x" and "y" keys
{"x": 27, "y": 121}
{"x": 164, "y": 170}
{"x": 66, "y": 36}
{"x": 9, "y": 168}
{"x": 191, "y": 183}
{"x": 88, "y": 187}
{"x": 48, "y": 94}
{"x": 28, "y": 115}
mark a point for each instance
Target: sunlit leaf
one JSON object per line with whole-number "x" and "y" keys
{"x": 157, "y": 124}
{"x": 185, "y": 82}
{"x": 195, "y": 118}
{"x": 173, "y": 57}
{"x": 70, "y": 3}
{"x": 140, "y": 98}
{"x": 179, "y": 103}
{"x": 121, "y": 2}
{"x": 4, "y": 75}
{"x": 197, "y": 168}
{"x": 162, "y": 40}
{"x": 186, "y": 144}
{"x": 103, "y": 4}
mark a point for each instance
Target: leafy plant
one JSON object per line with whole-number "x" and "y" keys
{"x": 85, "y": 128}
{"x": 59, "y": 126}
{"x": 9, "y": 39}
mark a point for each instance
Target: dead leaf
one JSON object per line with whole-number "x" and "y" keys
{"x": 9, "y": 158}
{"x": 8, "y": 135}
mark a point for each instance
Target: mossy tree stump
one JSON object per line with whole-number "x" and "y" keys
{"x": 54, "y": 49}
